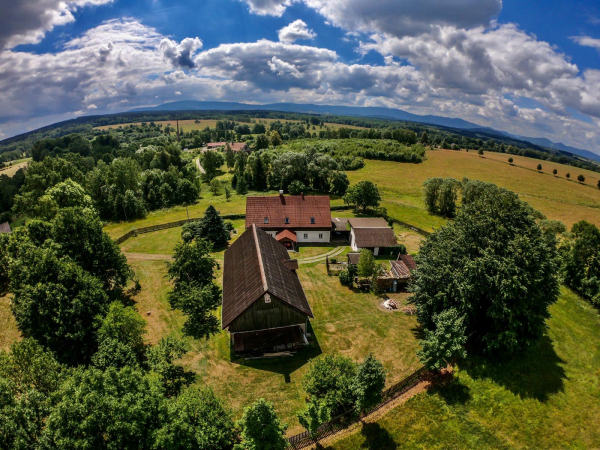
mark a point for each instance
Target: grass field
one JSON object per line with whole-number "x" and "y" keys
{"x": 556, "y": 197}
{"x": 8, "y": 326}
{"x": 191, "y": 125}
{"x": 19, "y": 164}
{"x": 548, "y": 398}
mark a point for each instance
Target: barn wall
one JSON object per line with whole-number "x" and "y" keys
{"x": 261, "y": 316}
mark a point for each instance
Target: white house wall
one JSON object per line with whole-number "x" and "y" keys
{"x": 313, "y": 236}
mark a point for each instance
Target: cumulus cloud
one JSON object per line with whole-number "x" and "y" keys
{"x": 587, "y": 41}
{"x": 269, "y": 7}
{"x": 27, "y": 21}
{"x": 296, "y": 30}
{"x": 180, "y": 55}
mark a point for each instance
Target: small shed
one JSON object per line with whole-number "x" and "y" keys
{"x": 372, "y": 233}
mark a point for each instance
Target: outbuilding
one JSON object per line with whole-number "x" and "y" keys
{"x": 372, "y": 233}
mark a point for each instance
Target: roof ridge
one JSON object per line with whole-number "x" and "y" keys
{"x": 260, "y": 261}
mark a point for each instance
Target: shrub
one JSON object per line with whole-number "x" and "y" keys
{"x": 345, "y": 278}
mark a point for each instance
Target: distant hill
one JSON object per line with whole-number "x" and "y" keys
{"x": 365, "y": 111}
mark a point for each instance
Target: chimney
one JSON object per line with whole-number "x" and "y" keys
{"x": 302, "y": 194}
{"x": 281, "y": 197}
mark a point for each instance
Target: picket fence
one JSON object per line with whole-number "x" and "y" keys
{"x": 349, "y": 418}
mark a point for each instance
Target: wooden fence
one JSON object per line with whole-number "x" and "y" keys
{"x": 164, "y": 226}
{"x": 345, "y": 420}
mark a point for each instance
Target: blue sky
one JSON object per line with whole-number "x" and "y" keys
{"x": 531, "y": 68}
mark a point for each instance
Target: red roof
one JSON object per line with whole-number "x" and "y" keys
{"x": 301, "y": 211}
{"x": 286, "y": 234}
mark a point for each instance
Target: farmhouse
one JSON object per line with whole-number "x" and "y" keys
{"x": 264, "y": 306}
{"x": 235, "y": 146}
{"x": 291, "y": 219}
{"x": 5, "y": 228}
{"x": 371, "y": 233}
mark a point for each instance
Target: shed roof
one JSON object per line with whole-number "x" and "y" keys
{"x": 353, "y": 258}
{"x": 254, "y": 265}
{"x": 5, "y": 228}
{"x": 286, "y": 234}
{"x": 374, "y": 237}
{"x": 340, "y": 223}
{"x": 409, "y": 261}
{"x": 368, "y": 222}
{"x": 403, "y": 266}
{"x": 301, "y": 211}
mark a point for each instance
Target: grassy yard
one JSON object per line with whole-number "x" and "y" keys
{"x": 345, "y": 321}
{"x": 16, "y": 165}
{"x": 548, "y": 398}
{"x": 8, "y": 326}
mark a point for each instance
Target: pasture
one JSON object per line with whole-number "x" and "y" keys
{"x": 14, "y": 168}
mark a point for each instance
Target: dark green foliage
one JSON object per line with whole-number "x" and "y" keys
{"x": 445, "y": 342}
{"x": 211, "y": 162}
{"x": 112, "y": 409}
{"x": 161, "y": 359}
{"x": 581, "y": 261}
{"x": 197, "y": 419}
{"x": 4, "y": 238}
{"x": 345, "y": 278}
{"x": 296, "y": 187}
{"x": 581, "y": 178}
{"x": 241, "y": 186}
{"x": 441, "y": 195}
{"x": 192, "y": 263}
{"x": 261, "y": 428}
{"x": 366, "y": 266}
{"x": 229, "y": 157}
{"x": 187, "y": 192}
{"x": 363, "y": 195}
{"x": 495, "y": 267}
{"x": 339, "y": 183}
{"x": 314, "y": 415}
{"x": 120, "y": 338}
{"x": 510, "y": 161}
{"x": 261, "y": 142}
{"x": 369, "y": 383}
{"x": 539, "y": 167}
{"x": 330, "y": 378}
{"x": 211, "y": 228}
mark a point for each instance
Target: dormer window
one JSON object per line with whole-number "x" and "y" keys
{"x": 266, "y": 220}
{"x": 312, "y": 220}
{"x": 287, "y": 220}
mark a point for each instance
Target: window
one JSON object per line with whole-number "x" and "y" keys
{"x": 266, "y": 220}
{"x": 320, "y": 235}
{"x": 287, "y": 220}
{"x": 312, "y": 220}
{"x": 305, "y": 235}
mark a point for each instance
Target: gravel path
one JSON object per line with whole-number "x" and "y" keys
{"x": 314, "y": 259}
{"x": 200, "y": 168}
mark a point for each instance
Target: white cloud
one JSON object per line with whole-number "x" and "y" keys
{"x": 295, "y": 31}
{"x": 587, "y": 41}
{"x": 269, "y": 7}
{"x": 180, "y": 55}
{"x": 28, "y": 21}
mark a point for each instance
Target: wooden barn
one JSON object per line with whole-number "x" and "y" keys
{"x": 264, "y": 306}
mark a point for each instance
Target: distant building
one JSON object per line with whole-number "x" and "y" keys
{"x": 304, "y": 218}
{"x": 235, "y": 146}
{"x": 264, "y": 306}
{"x": 371, "y": 233}
{"x": 5, "y": 228}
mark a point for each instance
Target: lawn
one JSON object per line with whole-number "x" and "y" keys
{"x": 548, "y": 397}
{"x": 345, "y": 321}
{"x": 556, "y": 197}
{"x": 9, "y": 332}
{"x": 16, "y": 165}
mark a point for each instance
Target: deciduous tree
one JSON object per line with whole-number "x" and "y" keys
{"x": 261, "y": 428}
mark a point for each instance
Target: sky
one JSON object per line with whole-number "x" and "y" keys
{"x": 526, "y": 67}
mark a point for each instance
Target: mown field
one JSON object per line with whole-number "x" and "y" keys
{"x": 191, "y": 125}
{"x": 548, "y": 398}
{"x": 16, "y": 165}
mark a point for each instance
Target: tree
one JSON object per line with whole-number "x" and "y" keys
{"x": 161, "y": 359}
{"x": 510, "y": 160}
{"x": 363, "y": 195}
{"x": 369, "y": 383}
{"x": 431, "y": 193}
{"x": 192, "y": 263}
{"x": 568, "y": 175}
{"x": 261, "y": 428}
{"x": 424, "y": 138}
{"x": 211, "y": 227}
{"x": 314, "y": 415}
{"x": 339, "y": 183}
{"x": 229, "y": 157}
{"x": 197, "y": 419}
{"x": 330, "y": 379}
{"x": 4, "y": 261}
{"x": 539, "y": 167}
{"x": 496, "y": 233}
{"x": 227, "y": 193}
{"x": 120, "y": 338}
{"x": 275, "y": 139}
{"x": 555, "y": 172}
{"x": 105, "y": 409}
{"x": 366, "y": 264}
{"x": 440, "y": 195}
{"x": 581, "y": 261}
{"x": 187, "y": 191}
{"x": 445, "y": 342}
{"x": 480, "y": 152}
{"x": 241, "y": 187}
{"x": 581, "y": 178}
{"x": 296, "y": 187}
{"x": 211, "y": 162}
{"x": 261, "y": 142}
{"x": 215, "y": 187}
{"x": 598, "y": 184}
{"x": 345, "y": 278}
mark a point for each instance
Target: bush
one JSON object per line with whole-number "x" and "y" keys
{"x": 345, "y": 278}
{"x": 296, "y": 187}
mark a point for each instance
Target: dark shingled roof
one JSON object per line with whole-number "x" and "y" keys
{"x": 403, "y": 267}
{"x": 5, "y": 228}
{"x": 353, "y": 258}
{"x": 374, "y": 237}
{"x": 254, "y": 265}
{"x": 299, "y": 209}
